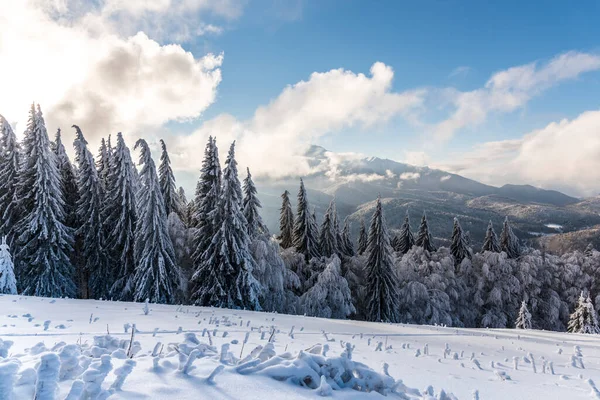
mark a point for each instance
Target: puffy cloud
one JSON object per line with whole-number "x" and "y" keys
{"x": 104, "y": 83}
{"x": 510, "y": 89}
{"x": 410, "y": 176}
{"x": 563, "y": 155}
{"x": 274, "y": 140}
{"x": 418, "y": 158}
{"x": 445, "y": 178}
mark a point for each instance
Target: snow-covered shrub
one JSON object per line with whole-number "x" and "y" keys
{"x": 46, "y": 385}
{"x": 8, "y": 282}
{"x": 8, "y": 371}
{"x": 330, "y": 297}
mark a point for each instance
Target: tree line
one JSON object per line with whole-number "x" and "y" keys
{"x": 103, "y": 228}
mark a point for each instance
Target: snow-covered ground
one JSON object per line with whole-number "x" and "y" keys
{"x": 459, "y": 361}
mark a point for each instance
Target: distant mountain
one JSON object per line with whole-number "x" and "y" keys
{"x": 355, "y": 184}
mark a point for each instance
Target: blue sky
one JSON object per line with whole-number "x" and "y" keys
{"x": 472, "y": 87}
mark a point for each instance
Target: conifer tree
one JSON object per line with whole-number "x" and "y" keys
{"x": 224, "y": 278}
{"x": 156, "y": 274}
{"x": 348, "y": 246}
{"x": 206, "y": 202}
{"x": 459, "y": 247}
{"x": 95, "y": 265}
{"x": 68, "y": 180}
{"x": 362, "y": 238}
{"x": 491, "y": 240}
{"x": 381, "y": 284}
{"x": 44, "y": 242}
{"x": 8, "y": 282}
{"x": 328, "y": 244}
{"x": 589, "y": 250}
{"x": 183, "y": 207}
{"x": 9, "y": 179}
{"x": 406, "y": 240}
{"x": 286, "y": 222}
{"x": 524, "y": 318}
{"x": 424, "y": 238}
{"x": 103, "y": 164}
{"x": 121, "y": 211}
{"x": 336, "y": 230}
{"x": 305, "y": 239}
{"x": 251, "y": 204}
{"x": 509, "y": 242}
{"x": 584, "y": 318}
{"x": 167, "y": 181}
{"x": 395, "y": 243}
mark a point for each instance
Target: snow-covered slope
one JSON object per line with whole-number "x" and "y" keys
{"x": 459, "y": 361}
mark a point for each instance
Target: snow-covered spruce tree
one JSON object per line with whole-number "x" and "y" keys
{"x": 584, "y": 318}
{"x": 406, "y": 240}
{"x": 589, "y": 250}
{"x": 120, "y": 211}
{"x": 424, "y": 238}
{"x": 381, "y": 283}
{"x": 103, "y": 164}
{"x": 347, "y": 245}
{"x": 305, "y": 239}
{"x": 167, "y": 181}
{"x": 328, "y": 245}
{"x": 362, "y": 238}
{"x": 94, "y": 263}
{"x": 156, "y": 274}
{"x": 250, "y": 205}
{"x": 509, "y": 243}
{"x": 182, "y": 245}
{"x": 183, "y": 207}
{"x": 524, "y": 318}
{"x": 44, "y": 242}
{"x": 459, "y": 247}
{"x": 8, "y": 282}
{"x": 336, "y": 230}
{"x": 68, "y": 180}
{"x": 491, "y": 242}
{"x": 395, "y": 242}
{"x": 286, "y": 222}
{"x": 271, "y": 273}
{"x": 9, "y": 178}
{"x": 330, "y": 296}
{"x": 206, "y": 217}
{"x": 224, "y": 277}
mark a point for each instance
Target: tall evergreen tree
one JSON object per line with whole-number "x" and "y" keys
{"x": 225, "y": 278}
{"x": 348, "y": 246}
{"x": 305, "y": 239}
{"x": 44, "y": 242}
{"x": 524, "y": 318}
{"x": 509, "y": 243}
{"x": 68, "y": 180}
{"x": 381, "y": 284}
{"x": 122, "y": 213}
{"x": 206, "y": 202}
{"x": 183, "y": 206}
{"x": 156, "y": 274}
{"x": 95, "y": 265}
{"x": 406, "y": 240}
{"x": 328, "y": 244}
{"x": 103, "y": 164}
{"x": 336, "y": 229}
{"x": 251, "y": 204}
{"x": 8, "y": 282}
{"x": 167, "y": 181}
{"x": 491, "y": 240}
{"x": 459, "y": 248}
{"x": 286, "y": 222}
{"x": 424, "y": 238}
{"x": 362, "y": 238}
{"x": 9, "y": 179}
{"x": 584, "y": 319}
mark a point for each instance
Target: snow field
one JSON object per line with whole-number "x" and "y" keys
{"x": 81, "y": 349}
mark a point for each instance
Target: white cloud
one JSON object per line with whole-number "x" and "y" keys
{"x": 511, "y": 89}
{"x": 463, "y": 70}
{"x": 418, "y": 158}
{"x": 103, "y": 83}
{"x": 563, "y": 155}
{"x": 410, "y": 176}
{"x": 445, "y": 178}
{"x": 274, "y": 140}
